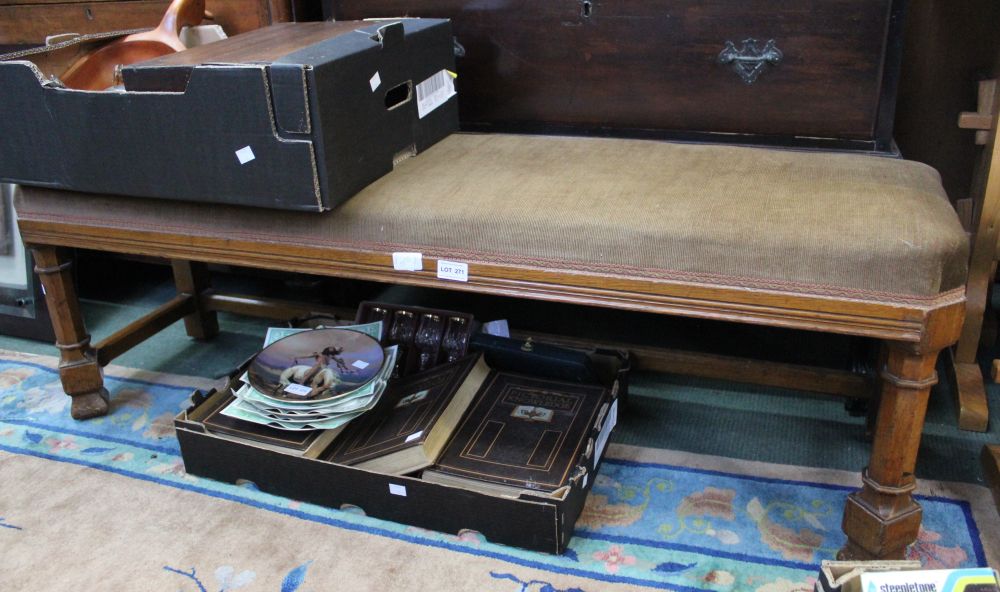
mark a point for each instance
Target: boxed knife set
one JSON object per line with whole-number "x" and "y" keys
{"x": 450, "y": 444}
{"x": 295, "y": 116}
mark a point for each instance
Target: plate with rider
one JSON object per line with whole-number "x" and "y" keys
{"x": 316, "y": 365}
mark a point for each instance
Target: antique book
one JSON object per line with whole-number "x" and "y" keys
{"x": 412, "y": 423}
{"x": 521, "y": 433}
{"x": 297, "y": 442}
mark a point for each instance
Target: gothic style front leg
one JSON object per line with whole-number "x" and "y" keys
{"x": 78, "y": 369}
{"x": 882, "y": 519}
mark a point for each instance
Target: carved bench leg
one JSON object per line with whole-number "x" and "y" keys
{"x": 882, "y": 519}
{"x": 193, "y": 278}
{"x": 78, "y": 368}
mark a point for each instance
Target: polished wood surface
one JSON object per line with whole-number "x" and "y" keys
{"x": 30, "y": 22}
{"x": 170, "y": 72}
{"x": 653, "y": 65}
{"x": 263, "y": 45}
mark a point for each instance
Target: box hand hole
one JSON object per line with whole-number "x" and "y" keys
{"x": 398, "y": 95}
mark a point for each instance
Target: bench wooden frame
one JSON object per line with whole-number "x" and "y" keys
{"x": 880, "y": 520}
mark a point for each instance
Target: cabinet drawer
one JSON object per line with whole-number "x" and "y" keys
{"x": 655, "y": 64}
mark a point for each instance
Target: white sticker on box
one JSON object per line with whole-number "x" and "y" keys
{"x": 499, "y": 328}
{"x": 360, "y": 364}
{"x": 407, "y": 261}
{"x": 451, "y": 270}
{"x": 414, "y": 436}
{"x": 434, "y": 92}
{"x": 397, "y": 489}
{"x": 375, "y": 82}
{"x": 245, "y": 154}
{"x": 609, "y": 424}
{"x": 299, "y": 390}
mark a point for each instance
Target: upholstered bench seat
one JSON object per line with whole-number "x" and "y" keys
{"x": 845, "y": 243}
{"x": 833, "y": 224}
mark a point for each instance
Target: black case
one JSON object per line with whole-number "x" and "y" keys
{"x": 317, "y": 130}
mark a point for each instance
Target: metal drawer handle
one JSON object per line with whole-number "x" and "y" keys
{"x": 749, "y": 61}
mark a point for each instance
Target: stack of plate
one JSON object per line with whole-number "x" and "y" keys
{"x": 314, "y": 379}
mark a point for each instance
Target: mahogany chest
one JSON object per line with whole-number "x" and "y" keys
{"x": 810, "y": 72}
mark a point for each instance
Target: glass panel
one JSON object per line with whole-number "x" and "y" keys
{"x": 17, "y": 283}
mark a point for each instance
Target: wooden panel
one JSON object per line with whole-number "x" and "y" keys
{"x": 640, "y": 64}
{"x": 991, "y": 470}
{"x": 949, "y": 47}
{"x": 29, "y": 24}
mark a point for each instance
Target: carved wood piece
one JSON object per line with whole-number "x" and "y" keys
{"x": 882, "y": 519}
{"x": 78, "y": 368}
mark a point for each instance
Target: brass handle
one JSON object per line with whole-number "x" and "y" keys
{"x": 749, "y": 61}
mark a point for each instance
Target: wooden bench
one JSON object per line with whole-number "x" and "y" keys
{"x": 840, "y": 243}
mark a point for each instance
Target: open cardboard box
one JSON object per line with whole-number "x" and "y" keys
{"x": 535, "y": 522}
{"x": 297, "y": 116}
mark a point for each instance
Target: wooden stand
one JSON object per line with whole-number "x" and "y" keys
{"x": 970, "y": 392}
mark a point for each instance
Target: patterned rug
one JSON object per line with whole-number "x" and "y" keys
{"x": 106, "y": 502}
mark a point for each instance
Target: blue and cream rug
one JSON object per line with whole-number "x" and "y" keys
{"x": 105, "y": 504}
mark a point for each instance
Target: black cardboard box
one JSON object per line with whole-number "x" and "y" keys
{"x": 536, "y": 523}
{"x": 297, "y": 116}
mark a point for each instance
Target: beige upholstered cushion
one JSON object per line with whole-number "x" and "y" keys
{"x": 830, "y": 223}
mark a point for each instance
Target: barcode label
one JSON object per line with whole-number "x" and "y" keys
{"x": 434, "y": 92}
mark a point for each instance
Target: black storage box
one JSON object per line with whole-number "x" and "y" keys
{"x": 532, "y": 522}
{"x": 297, "y": 116}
